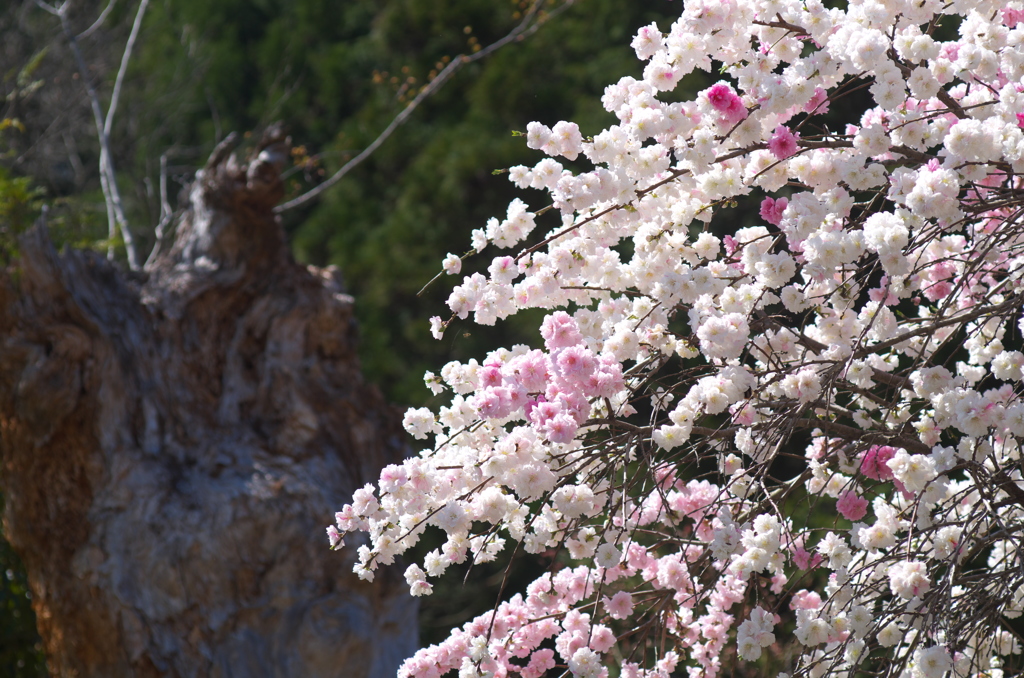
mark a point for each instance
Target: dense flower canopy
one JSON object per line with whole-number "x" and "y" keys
{"x": 802, "y": 434}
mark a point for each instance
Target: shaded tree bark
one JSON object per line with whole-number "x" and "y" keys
{"x": 174, "y": 442}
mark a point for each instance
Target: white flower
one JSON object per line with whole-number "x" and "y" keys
{"x": 585, "y": 663}
{"x": 707, "y": 246}
{"x": 812, "y": 631}
{"x": 452, "y": 264}
{"x": 804, "y": 386}
{"x": 932, "y": 662}
{"x": 915, "y": 471}
{"x": 909, "y": 579}
{"x": 420, "y": 422}
{"x": 670, "y": 436}
{"x": 607, "y": 556}
{"x": 1007, "y": 366}
{"x": 479, "y": 240}
{"x": 890, "y": 635}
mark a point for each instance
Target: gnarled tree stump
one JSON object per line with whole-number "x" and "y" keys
{"x": 174, "y": 443}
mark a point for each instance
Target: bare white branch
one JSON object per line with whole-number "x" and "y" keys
{"x": 99, "y": 21}
{"x": 125, "y": 58}
{"x": 108, "y": 178}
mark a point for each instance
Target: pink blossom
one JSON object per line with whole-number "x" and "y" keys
{"x": 672, "y": 573}
{"x": 883, "y": 294}
{"x": 560, "y": 428}
{"x": 489, "y": 375}
{"x": 665, "y": 474}
{"x": 804, "y": 559}
{"x": 575, "y": 363}
{"x": 783, "y": 143}
{"x": 517, "y": 397}
{"x": 576, "y": 621}
{"x": 907, "y": 494}
{"x": 637, "y": 556}
{"x": 772, "y": 209}
{"x": 724, "y": 99}
{"x": 493, "y": 403}
{"x": 650, "y": 335}
{"x": 736, "y": 112}
{"x": 601, "y": 638}
{"x": 576, "y": 405}
{"x": 542, "y": 411}
{"x": 818, "y": 102}
{"x": 805, "y": 600}
{"x": 559, "y": 331}
{"x": 540, "y": 663}
{"x": 852, "y": 507}
{"x": 619, "y": 606}
{"x": 939, "y": 290}
{"x": 530, "y": 370}
{"x": 874, "y": 463}
{"x": 720, "y": 96}
{"x": 531, "y": 406}
{"x": 1012, "y": 17}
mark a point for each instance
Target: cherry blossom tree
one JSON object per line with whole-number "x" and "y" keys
{"x": 802, "y": 435}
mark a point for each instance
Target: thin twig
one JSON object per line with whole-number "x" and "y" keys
{"x": 165, "y": 213}
{"x": 48, "y": 7}
{"x": 522, "y": 30}
{"x": 99, "y": 21}
{"x": 108, "y": 177}
{"x": 129, "y": 46}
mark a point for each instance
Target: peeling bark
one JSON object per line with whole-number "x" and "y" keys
{"x": 174, "y": 442}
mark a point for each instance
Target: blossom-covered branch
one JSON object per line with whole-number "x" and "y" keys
{"x": 803, "y": 431}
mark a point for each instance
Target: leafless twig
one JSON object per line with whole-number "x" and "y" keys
{"x": 526, "y": 27}
{"x": 108, "y": 179}
{"x": 166, "y": 214}
{"x": 99, "y": 21}
{"x": 129, "y": 46}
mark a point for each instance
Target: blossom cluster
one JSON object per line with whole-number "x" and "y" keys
{"x": 775, "y": 399}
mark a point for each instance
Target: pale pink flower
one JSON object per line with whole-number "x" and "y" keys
{"x": 818, "y": 102}
{"x": 559, "y": 330}
{"x": 540, "y": 663}
{"x": 805, "y": 600}
{"x": 619, "y": 606}
{"x": 804, "y": 559}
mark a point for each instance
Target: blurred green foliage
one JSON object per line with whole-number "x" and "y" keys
{"x": 21, "y": 651}
{"x": 20, "y": 203}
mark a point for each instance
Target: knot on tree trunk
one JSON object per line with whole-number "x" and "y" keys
{"x": 173, "y": 445}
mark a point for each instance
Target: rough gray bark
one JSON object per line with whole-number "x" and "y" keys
{"x": 174, "y": 443}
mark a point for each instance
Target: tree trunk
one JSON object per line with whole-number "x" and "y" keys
{"x": 175, "y": 442}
